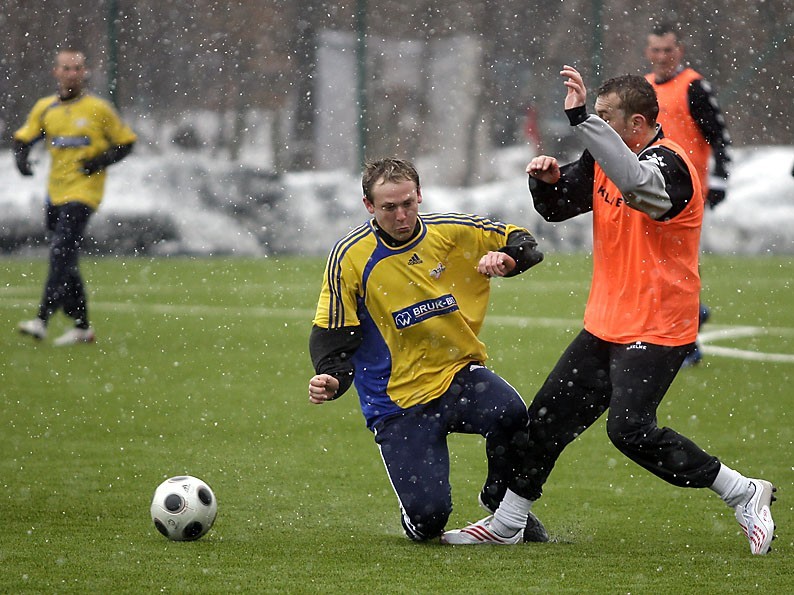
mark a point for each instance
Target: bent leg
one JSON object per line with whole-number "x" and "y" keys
{"x": 479, "y": 401}
{"x": 413, "y": 446}
{"x": 575, "y": 394}
{"x": 640, "y": 379}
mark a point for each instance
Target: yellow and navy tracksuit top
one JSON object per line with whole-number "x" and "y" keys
{"x": 75, "y": 130}
{"x": 419, "y": 307}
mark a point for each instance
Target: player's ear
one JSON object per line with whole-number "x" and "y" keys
{"x": 369, "y": 206}
{"x": 418, "y": 195}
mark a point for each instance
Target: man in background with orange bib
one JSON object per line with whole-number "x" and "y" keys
{"x": 690, "y": 115}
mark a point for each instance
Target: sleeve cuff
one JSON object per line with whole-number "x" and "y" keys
{"x": 576, "y": 115}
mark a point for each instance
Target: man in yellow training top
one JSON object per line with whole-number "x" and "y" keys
{"x": 84, "y": 135}
{"x": 403, "y": 299}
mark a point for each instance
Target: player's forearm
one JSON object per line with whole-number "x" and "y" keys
{"x": 21, "y": 155}
{"x": 523, "y": 248}
{"x": 331, "y": 351}
{"x": 570, "y": 196}
{"x": 109, "y": 157}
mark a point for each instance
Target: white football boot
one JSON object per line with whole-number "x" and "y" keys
{"x": 75, "y": 336}
{"x": 755, "y": 518}
{"x": 534, "y": 532}
{"x": 33, "y": 328}
{"x": 479, "y": 533}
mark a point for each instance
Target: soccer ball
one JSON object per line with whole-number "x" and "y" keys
{"x": 183, "y": 508}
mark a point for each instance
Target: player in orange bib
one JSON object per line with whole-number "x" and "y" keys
{"x": 691, "y": 116}
{"x": 642, "y": 313}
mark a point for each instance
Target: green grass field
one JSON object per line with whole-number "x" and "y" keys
{"x": 201, "y": 367}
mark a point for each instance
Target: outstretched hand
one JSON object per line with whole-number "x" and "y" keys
{"x": 577, "y": 92}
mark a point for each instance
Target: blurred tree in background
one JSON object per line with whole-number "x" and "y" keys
{"x": 495, "y": 63}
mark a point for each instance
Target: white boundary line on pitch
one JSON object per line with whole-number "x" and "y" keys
{"x": 706, "y": 338}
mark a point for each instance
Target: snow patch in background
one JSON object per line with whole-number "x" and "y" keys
{"x": 193, "y": 203}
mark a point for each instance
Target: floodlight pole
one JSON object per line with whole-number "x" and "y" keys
{"x": 112, "y": 17}
{"x": 361, "y": 71}
{"x": 598, "y": 38}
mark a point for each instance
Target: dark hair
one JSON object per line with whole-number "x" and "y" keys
{"x": 664, "y": 27}
{"x": 637, "y": 96}
{"x": 389, "y": 169}
{"x": 68, "y": 49}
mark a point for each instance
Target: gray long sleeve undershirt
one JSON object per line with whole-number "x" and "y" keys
{"x": 640, "y": 180}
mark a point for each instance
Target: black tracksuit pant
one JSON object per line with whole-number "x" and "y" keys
{"x": 64, "y": 288}
{"x": 594, "y": 376}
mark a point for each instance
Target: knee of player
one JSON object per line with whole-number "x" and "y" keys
{"x": 624, "y": 431}
{"x": 427, "y": 521}
{"x": 514, "y": 417}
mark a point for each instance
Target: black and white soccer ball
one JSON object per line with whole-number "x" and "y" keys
{"x": 183, "y": 508}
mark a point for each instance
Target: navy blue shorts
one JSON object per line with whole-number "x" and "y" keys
{"x": 413, "y": 445}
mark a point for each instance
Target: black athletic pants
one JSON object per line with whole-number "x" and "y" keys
{"x": 594, "y": 376}
{"x": 64, "y": 288}
{"x": 413, "y": 445}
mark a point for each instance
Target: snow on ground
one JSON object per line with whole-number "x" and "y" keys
{"x": 189, "y": 202}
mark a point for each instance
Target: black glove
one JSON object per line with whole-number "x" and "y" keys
{"x": 92, "y": 166}
{"x": 23, "y": 165}
{"x": 715, "y": 197}
{"x": 109, "y": 157}
{"x": 21, "y": 152}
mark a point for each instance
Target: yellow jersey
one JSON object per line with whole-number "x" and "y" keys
{"x": 420, "y": 306}
{"x": 75, "y": 130}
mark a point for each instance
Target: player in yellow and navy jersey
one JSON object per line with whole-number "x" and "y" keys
{"x": 84, "y": 135}
{"x": 402, "y": 303}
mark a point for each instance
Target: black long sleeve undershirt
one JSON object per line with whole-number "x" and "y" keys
{"x": 707, "y": 115}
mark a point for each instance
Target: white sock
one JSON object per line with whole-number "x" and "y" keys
{"x": 511, "y": 516}
{"x": 731, "y": 486}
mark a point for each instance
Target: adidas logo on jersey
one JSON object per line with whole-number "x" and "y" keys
{"x": 414, "y": 259}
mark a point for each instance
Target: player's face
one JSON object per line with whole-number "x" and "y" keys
{"x": 608, "y": 109}
{"x": 395, "y": 206}
{"x": 664, "y": 54}
{"x": 70, "y": 72}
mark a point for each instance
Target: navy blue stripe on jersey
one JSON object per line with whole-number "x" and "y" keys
{"x": 461, "y": 219}
{"x": 416, "y": 313}
{"x": 67, "y": 142}
{"x": 336, "y": 312}
{"x": 372, "y": 363}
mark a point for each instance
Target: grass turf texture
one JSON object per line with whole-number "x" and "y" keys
{"x": 201, "y": 367}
